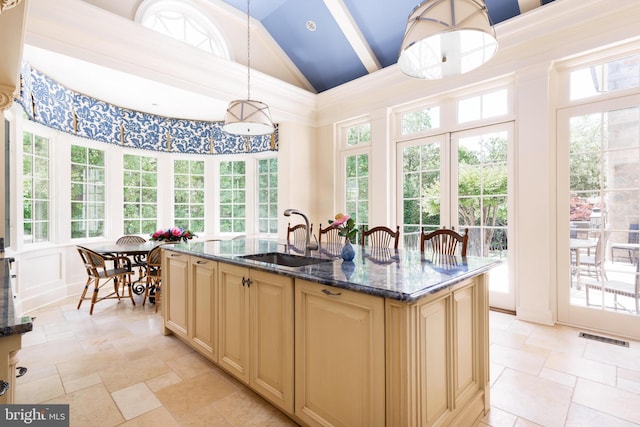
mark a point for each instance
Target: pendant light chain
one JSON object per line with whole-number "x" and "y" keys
{"x": 248, "y": 49}
{"x": 245, "y": 116}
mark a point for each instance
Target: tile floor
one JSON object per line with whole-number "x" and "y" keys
{"x": 114, "y": 368}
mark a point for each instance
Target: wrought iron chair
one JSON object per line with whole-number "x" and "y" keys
{"x": 153, "y": 273}
{"x": 98, "y": 274}
{"x": 444, "y": 241}
{"x": 137, "y": 261}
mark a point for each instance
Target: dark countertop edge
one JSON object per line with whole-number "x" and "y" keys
{"x": 21, "y": 328}
{"x": 18, "y": 326}
{"x": 299, "y": 273}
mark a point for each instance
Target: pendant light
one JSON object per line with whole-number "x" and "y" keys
{"x": 445, "y": 38}
{"x": 247, "y": 116}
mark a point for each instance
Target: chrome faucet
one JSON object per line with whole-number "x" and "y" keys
{"x": 308, "y": 245}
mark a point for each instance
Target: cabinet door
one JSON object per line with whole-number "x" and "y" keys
{"x": 204, "y": 310}
{"x": 339, "y": 356}
{"x": 433, "y": 376}
{"x": 233, "y": 339}
{"x": 175, "y": 281}
{"x": 271, "y": 307}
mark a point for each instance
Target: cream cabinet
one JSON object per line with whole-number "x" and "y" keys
{"x": 438, "y": 357}
{"x": 190, "y": 296}
{"x": 203, "y": 308}
{"x": 9, "y": 347}
{"x": 175, "y": 299}
{"x": 256, "y": 331}
{"x": 340, "y": 357}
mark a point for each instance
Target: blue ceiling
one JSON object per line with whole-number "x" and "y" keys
{"x": 326, "y": 57}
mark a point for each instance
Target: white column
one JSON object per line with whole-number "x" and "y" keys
{"x": 535, "y": 201}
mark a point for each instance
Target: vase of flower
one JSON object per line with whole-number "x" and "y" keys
{"x": 347, "y": 253}
{"x": 173, "y": 234}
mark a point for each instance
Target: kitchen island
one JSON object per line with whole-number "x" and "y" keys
{"x": 394, "y": 338}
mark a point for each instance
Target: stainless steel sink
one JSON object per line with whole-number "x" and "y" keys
{"x": 286, "y": 260}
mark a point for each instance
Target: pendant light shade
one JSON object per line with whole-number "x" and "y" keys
{"x": 446, "y": 38}
{"x": 246, "y": 116}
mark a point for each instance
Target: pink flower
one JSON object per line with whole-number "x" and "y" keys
{"x": 176, "y": 232}
{"x": 340, "y": 219}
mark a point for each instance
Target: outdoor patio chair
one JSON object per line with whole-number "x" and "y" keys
{"x": 631, "y": 247}
{"x": 593, "y": 265}
{"x": 617, "y": 288}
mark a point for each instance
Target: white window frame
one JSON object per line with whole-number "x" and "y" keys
{"x": 345, "y": 151}
{"x": 188, "y": 10}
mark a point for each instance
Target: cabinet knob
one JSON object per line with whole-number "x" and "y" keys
{"x": 201, "y": 262}
{"x": 328, "y": 292}
{"x": 21, "y": 371}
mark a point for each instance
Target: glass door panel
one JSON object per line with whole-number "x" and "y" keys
{"x": 421, "y": 163}
{"x": 599, "y": 180}
{"x": 482, "y": 203}
{"x": 459, "y": 181}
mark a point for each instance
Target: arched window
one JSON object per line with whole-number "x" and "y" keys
{"x": 183, "y": 21}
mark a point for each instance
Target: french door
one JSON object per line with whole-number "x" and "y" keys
{"x": 598, "y": 202}
{"x": 461, "y": 180}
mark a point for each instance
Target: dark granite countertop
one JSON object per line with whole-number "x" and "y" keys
{"x": 405, "y": 275}
{"x": 9, "y": 324}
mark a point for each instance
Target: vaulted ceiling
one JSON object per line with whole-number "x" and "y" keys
{"x": 348, "y": 38}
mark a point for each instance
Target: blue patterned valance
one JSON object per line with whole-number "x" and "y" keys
{"x": 47, "y": 102}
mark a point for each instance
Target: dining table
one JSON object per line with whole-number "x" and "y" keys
{"x": 576, "y": 246}
{"x": 137, "y": 251}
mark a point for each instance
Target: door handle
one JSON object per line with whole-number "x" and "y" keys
{"x": 328, "y": 292}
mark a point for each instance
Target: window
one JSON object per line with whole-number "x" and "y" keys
{"x": 188, "y": 185}
{"x": 268, "y": 196}
{"x": 487, "y": 105}
{"x": 357, "y": 188}
{"x": 360, "y": 134}
{"x": 185, "y": 23}
{"x": 356, "y": 144}
{"x": 36, "y": 188}
{"x": 420, "y": 120}
{"x": 597, "y": 79}
{"x": 140, "y": 177}
{"x": 87, "y": 192}
{"x": 420, "y": 190}
{"x": 232, "y": 197}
